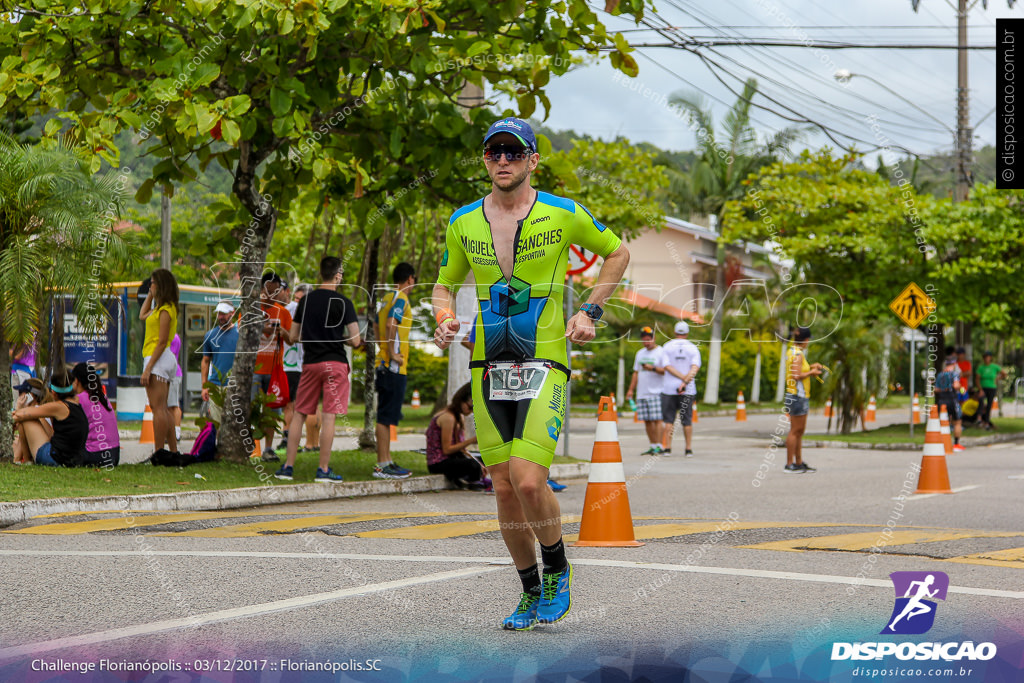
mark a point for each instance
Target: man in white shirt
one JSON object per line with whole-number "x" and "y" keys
{"x": 648, "y": 369}
{"x": 678, "y": 389}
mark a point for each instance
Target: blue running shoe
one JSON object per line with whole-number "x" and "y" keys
{"x": 555, "y": 486}
{"x": 284, "y": 472}
{"x": 524, "y": 617}
{"x": 555, "y": 600}
{"x": 328, "y": 477}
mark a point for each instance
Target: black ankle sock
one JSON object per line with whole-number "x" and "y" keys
{"x": 553, "y": 557}
{"x": 531, "y": 580}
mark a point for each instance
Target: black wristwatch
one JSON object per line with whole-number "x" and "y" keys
{"x": 593, "y": 311}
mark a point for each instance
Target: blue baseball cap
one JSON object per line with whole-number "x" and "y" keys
{"x": 517, "y": 127}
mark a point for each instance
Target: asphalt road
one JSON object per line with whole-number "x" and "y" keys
{"x": 736, "y": 572}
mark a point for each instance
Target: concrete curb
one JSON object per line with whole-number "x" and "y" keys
{"x": 968, "y": 442}
{"x": 272, "y": 494}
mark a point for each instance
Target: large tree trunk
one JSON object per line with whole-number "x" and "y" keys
{"x": 368, "y": 437}
{"x": 235, "y": 438}
{"x": 6, "y": 401}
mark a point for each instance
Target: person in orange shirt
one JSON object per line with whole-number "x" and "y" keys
{"x": 277, "y": 325}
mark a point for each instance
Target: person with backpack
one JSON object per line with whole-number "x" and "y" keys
{"x": 66, "y": 446}
{"x": 947, "y": 391}
{"x": 103, "y": 445}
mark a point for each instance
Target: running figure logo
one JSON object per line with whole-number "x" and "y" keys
{"x": 914, "y": 613}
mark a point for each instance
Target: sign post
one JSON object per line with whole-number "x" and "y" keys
{"x": 912, "y": 306}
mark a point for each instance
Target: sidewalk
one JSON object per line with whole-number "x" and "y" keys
{"x": 273, "y": 492}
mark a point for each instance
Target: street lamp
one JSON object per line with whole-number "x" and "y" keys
{"x": 844, "y": 76}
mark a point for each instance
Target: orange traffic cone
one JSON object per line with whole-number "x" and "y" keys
{"x": 256, "y": 452}
{"x": 606, "y": 520}
{"x": 917, "y": 411}
{"x": 394, "y": 433}
{"x": 147, "y": 426}
{"x": 695, "y": 420}
{"x": 415, "y": 399}
{"x": 741, "y": 408}
{"x": 870, "y": 416}
{"x": 636, "y": 416}
{"x": 828, "y": 407}
{"x": 934, "y": 477}
{"x": 947, "y": 437}
{"x": 995, "y": 405}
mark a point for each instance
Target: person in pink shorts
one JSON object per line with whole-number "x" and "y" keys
{"x": 325, "y": 321}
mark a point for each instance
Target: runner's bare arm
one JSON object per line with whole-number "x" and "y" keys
{"x": 580, "y": 328}
{"x": 443, "y": 299}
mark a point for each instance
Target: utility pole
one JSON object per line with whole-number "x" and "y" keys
{"x": 963, "y": 124}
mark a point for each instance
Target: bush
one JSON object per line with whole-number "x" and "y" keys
{"x": 739, "y": 356}
{"x": 427, "y": 375}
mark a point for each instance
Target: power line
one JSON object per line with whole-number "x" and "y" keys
{"x": 857, "y": 117}
{"x": 802, "y": 28}
{"x": 793, "y": 116}
{"x": 824, "y": 45}
{"x": 803, "y": 117}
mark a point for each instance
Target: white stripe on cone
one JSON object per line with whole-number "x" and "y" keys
{"x": 934, "y": 449}
{"x": 606, "y": 431}
{"x": 609, "y": 473}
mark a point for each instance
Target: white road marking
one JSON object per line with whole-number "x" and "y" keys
{"x": 922, "y": 496}
{"x": 1016, "y": 476}
{"x": 497, "y": 562}
{"x": 235, "y": 613}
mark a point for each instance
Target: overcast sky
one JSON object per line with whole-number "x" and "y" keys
{"x": 592, "y": 99}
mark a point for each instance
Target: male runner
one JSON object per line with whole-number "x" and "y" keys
{"x": 516, "y": 241}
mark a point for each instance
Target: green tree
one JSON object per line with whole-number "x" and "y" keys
{"x": 977, "y": 246}
{"x": 56, "y": 231}
{"x": 616, "y": 181}
{"x": 854, "y": 354}
{"x": 360, "y": 97}
{"x": 717, "y": 177}
{"x": 856, "y": 241}
{"x": 844, "y": 227}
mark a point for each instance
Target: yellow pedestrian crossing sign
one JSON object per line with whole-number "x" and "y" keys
{"x": 912, "y": 306}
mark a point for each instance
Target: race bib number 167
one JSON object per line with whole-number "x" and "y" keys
{"x": 516, "y": 382}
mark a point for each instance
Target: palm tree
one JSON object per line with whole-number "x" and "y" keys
{"x": 716, "y": 178}
{"x": 853, "y": 351}
{"x": 56, "y": 236}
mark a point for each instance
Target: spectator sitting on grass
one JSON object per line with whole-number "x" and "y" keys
{"x": 103, "y": 447}
{"x": 31, "y": 392}
{"x": 66, "y": 446}
{"x": 446, "y": 444}
{"x": 971, "y": 409}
